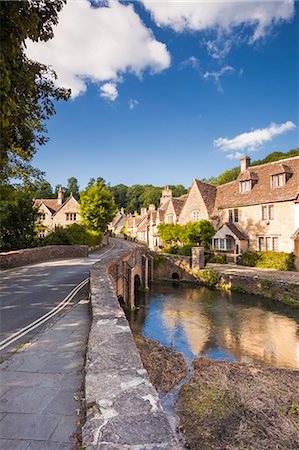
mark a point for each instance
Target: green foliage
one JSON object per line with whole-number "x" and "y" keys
{"x": 190, "y": 234}
{"x": 27, "y": 88}
{"x": 73, "y": 234}
{"x": 170, "y": 233}
{"x": 97, "y": 206}
{"x": 172, "y": 250}
{"x": 208, "y": 277}
{"x": 186, "y": 250}
{"x": 216, "y": 259}
{"x": 269, "y": 260}
{"x": 72, "y": 188}
{"x": 18, "y": 219}
{"x": 59, "y": 236}
{"x": 40, "y": 189}
{"x": 132, "y": 198}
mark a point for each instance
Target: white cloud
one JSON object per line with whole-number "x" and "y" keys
{"x": 202, "y": 15}
{"x": 133, "y": 103}
{"x": 251, "y": 140}
{"x": 217, "y": 75}
{"x": 235, "y": 155}
{"x": 109, "y": 91}
{"x": 192, "y": 61}
{"x": 98, "y": 45}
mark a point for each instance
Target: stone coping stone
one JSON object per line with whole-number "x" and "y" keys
{"x": 123, "y": 408}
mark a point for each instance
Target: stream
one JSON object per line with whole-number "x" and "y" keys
{"x": 198, "y": 321}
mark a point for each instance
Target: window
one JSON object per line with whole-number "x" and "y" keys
{"x": 269, "y": 243}
{"x": 222, "y": 246}
{"x": 216, "y": 243}
{"x": 275, "y": 244}
{"x": 195, "y": 216}
{"x": 264, "y": 213}
{"x": 233, "y": 215}
{"x": 42, "y": 216}
{"x": 236, "y": 215}
{"x": 278, "y": 180}
{"x": 268, "y": 212}
{"x": 261, "y": 244}
{"x": 229, "y": 244}
{"x": 42, "y": 233}
{"x": 245, "y": 186}
{"x": 71, "y": 216}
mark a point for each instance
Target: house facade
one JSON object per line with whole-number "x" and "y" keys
{"x": 258, "y": 211}
{"x": 57, "y": 212}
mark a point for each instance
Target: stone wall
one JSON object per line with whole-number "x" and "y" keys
{"x": 165, "y": 270}
{"x": 27, "y": 256}
{"x": 273, "y": 284}
{"x": 123, "y": 408}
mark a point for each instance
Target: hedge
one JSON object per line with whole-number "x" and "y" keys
{"x": 268, "y": 260}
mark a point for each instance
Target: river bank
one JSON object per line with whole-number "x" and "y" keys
{"x": 227, "y": 406}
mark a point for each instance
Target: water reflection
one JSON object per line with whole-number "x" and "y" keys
{"x": 235, "y": 327}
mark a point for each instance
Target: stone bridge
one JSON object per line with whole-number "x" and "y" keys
{"x": 132, "y": 273}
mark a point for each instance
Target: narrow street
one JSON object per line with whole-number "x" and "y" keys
{"x": 42, "y": 383}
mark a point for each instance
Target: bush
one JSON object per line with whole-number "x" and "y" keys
{"x": 216, "y": 259}
{"x": 173, "y": 250}
{"x": 186, "y": 250}
{"x": 268, "y": 260}
{"x": 73, "y": 234}
{"x": 208, "y": 277}
{"x": 58, "y": 237}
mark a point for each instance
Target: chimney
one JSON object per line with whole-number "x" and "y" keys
{"x": 166, "y": 195}
{"x": 60, "y": 196}
{"x": 151, "y": 207}
{"x": 122, "y": 211}
{"x": 244, "y": 163}
{"x": 143, "y": 211}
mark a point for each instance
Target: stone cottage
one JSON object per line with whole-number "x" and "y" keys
{"x": 57, "y": 212}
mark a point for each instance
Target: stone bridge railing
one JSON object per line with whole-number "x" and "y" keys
{"x": 123, "y": 410}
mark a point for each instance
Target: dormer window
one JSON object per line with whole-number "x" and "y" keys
{"x": 280, "y": 176}
{"x": 278, "y": 180}
{"x": 247, "y": 180}
{"x": 42, "y": 216}
{"x": 195, "y": 216}
{"x": 245, "y": 186}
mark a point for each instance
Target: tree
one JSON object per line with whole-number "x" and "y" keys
{"x": 72, "y": 188}
{"x": 40, "y": 189}
{"x": 120, "y": 195}
{"x": 178, "y": 190}
{"x": 18, "y": 219}
{"x": 27, "y": 87}
{"x": 191, "y": 233}
{"x": 97, "y": 207}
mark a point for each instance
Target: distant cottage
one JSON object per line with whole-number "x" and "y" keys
{"x": 57, "y": 212}
{"x": 257, "y": 211}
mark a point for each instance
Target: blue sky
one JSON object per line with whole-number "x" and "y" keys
{"x": 162, "y": 96}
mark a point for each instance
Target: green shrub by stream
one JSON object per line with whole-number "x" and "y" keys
{"x": 268, "y": 260}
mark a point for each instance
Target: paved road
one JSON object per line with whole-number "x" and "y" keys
{"x": 42, "y": 383}
{"x": 29, "y": 292}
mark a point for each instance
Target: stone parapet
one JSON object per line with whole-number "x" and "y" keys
{"x": 274, "y": 284}
{"x": 28, "y": 256}
{"x": 123, "y": 408}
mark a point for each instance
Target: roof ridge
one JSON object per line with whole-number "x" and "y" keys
{"x": 279, "y": 161}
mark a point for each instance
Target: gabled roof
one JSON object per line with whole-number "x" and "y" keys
{"x": 178, "y": 205}
{"x": 229, "y": 195}
{"x": 208, "y": 193}
{"x": 52, "y": 203}
{"x": 234, "y": 229}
